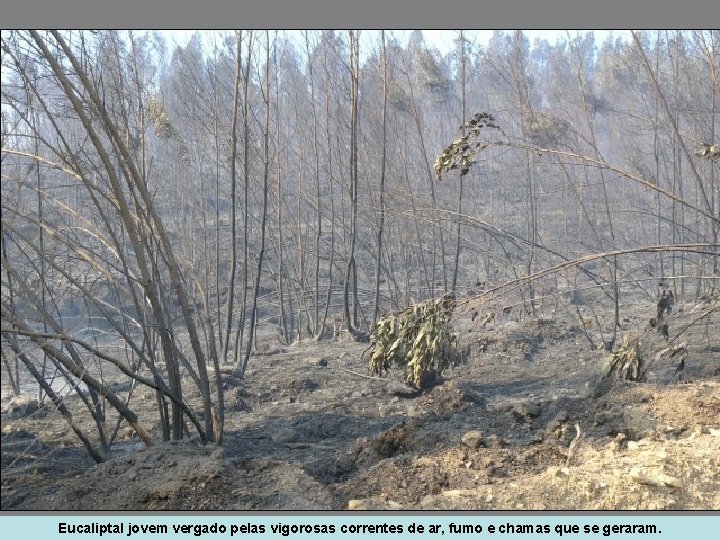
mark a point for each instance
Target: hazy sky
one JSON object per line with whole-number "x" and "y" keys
{"x": 444, "y": 39}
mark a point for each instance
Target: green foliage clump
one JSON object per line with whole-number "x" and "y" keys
{"x": 419, "y": 339}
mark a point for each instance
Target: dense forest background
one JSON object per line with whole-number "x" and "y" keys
{"x": 187, "y": 200}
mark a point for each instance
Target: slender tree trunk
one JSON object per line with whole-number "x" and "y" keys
{"x": 462, "y": 176}
{"x": 263, "y": 220}
{"x": 331, "y": 189}
{"x": 351, "y": 317}
{"x": 239, "y": 334}
{"x": 318, "y": 193}
{"x": 383, "y": 165}
{"x": 278, "y": 171}
{"x": 233, "y": 199}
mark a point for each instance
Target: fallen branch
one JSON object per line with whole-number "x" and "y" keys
{"x": 374, "y": 378}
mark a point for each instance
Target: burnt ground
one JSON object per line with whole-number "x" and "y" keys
{"x": 308, "y": 429}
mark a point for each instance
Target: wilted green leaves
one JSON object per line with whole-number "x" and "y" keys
{"x": 458, "y": 155}
{"x": 419, "y": 339}
{"x": 627, "y": 362}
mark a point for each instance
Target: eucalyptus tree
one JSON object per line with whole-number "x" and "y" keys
{"x": 265, "y": 133}
{"x": 383, "y": 169}
{"x": 90, "y": 115}
{"x": 350, "y": 285}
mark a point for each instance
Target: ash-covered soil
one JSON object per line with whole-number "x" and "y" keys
{"x": 308, "y": 429}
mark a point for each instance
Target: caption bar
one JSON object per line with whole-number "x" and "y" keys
{"x": 451, "y": 528}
